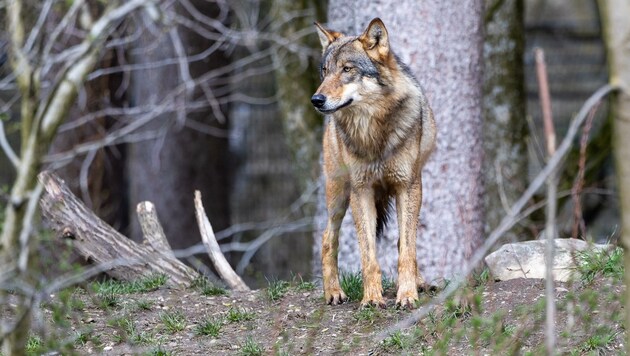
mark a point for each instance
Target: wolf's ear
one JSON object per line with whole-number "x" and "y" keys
{"x": 375, "y": 39}
{"x": 326, "y": 36}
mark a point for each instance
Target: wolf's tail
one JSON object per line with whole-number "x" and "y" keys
{"x": 383, "y": 209}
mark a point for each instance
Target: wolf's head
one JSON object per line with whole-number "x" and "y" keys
{"x": 353, "y": 69}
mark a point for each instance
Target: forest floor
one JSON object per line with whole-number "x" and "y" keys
{"x": 290, "y": 318}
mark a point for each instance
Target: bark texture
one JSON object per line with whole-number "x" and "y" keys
{"x": 442, "y": 45}
{"x": 504, "y": 120}
{"x": 100, "y": 243}
{"x": 298, "y": 79}
{"x": 617, "y": 31}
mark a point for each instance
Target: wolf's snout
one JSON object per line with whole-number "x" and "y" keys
{"x": 318, "y": 100}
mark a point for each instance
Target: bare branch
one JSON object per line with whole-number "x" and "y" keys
{"x": 38, "y": 26}
{"x": 510, "y": 219}
{"x": 27, "y": 227}
{"x": 63, "y": 24}
{"x": 62, "y": 96}
{"x": 214, "y": 251}
{"x": 552, "y": 197}
{"x": 6, "y": 147}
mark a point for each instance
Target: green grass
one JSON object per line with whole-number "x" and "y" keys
{"x": 174, "y": 321}
{"x": 303, "y": 286}
{"x": 368, "y": 314}
{"x": 598, "y": 342}
{"x": 250, "y": 348}
{"x": 34, "y": 345}
{"x": 481, "y": 277}
{"x": 159, "y": 352}
{"x": 128, "y": 331}
{"x": 205, "y": 287}
{"x": 143, "y": 285}
{"x": 235, "y": 315}
{"x": 352, "y": 285}
{"x": 395, "y": 341}
{"x": 388, "y": 283}
{"x": 107, "y": 300}
{"x": 144, "y": 304}
{"x": 277, "y": 289}
{"x": 595, "y": 263}
{"x": 209, "y": 327}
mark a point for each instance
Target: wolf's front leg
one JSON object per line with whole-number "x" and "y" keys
{"x": 333, "y": 294}
{"x": 364, "y": 214}
{"x": 408, "y": 201}
{"x": 337, "y": 199}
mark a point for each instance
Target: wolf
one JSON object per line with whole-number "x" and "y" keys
{"x": 378, "y": 135}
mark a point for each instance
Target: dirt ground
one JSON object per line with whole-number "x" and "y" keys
{"x": 502, "y": 318}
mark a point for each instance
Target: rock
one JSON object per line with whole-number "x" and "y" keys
{"x": 527, "y": 259}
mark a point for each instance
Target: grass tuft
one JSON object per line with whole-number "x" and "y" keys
{"x": 34, "y": 345}
{"x": 251, "y": 348}
{"x": 235, "y": 315}
{"x": 143, "y": 285}
{"x": 352, "y": 285}
{"x": 209, "y": 327}
{"x": 593, "y": 263}
{"x": 206, "y": 287}
{"x": 303, "y": 286}
{"x": 277, "y": 289}
{"x": 367, "y": 314}
{"x": 395, "y": 341}
{"x": 173, "y": 321}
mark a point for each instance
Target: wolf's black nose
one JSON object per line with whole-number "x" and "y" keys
{"x": 318, "y": 100}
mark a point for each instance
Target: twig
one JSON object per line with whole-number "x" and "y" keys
{"x": 512, "y": 218}
{"x": 6, "y": 147}
{"x": 578, "y": 186}
{"x": 27, "y": 227}
{"x": 545, "y": 100}
{"x": 552, "y": 196}
{"x": 214, "y": 251}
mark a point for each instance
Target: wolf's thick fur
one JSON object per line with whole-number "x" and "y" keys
{"x": 379, "y": 134}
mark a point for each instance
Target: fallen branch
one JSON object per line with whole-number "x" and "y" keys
{"x": 214, "y": 251}
{"x": 152, "y": 229}
{"x": 100, "y": 243}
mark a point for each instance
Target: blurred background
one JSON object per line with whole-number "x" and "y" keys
{"x": 215, "y": 96}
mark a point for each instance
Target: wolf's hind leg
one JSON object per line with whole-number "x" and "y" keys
{"x": 408, "y": 201}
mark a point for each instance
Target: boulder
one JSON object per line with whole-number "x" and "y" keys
{"x": 527, "y": 259}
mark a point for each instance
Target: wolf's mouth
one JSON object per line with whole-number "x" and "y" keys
{"x": 330, "y": 111}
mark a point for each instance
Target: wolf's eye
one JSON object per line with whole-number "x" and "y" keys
{"x": 347, "y": 69}
{"x": 324, "y": 70}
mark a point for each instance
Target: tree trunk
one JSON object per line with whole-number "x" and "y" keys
{"x": 617, "y": 31}
{"x": 505, "y": 127}
{"x": 297, "y": 82}
{"x": 167, "y": 170}
{"x": 442, "y": 45}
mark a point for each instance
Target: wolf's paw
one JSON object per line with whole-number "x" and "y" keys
{"x": 407, "y": 302}
{"x": 373, "y": 294}
{"x": 373, "y": 302}
{"x": 335, "y": 297}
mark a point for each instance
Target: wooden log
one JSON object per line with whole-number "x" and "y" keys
{"x": 152, "y": 229}
{"x": 100, "y": 243}
{"x": 224, "y": 269}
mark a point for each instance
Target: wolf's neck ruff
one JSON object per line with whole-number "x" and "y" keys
{"x": 373, "y": 132}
